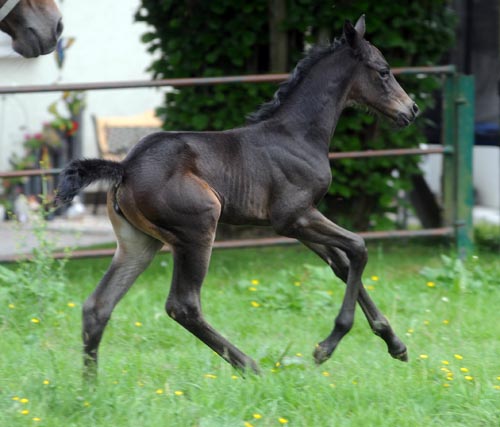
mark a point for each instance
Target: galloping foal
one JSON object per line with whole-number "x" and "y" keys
{"x": 174, "y": 187}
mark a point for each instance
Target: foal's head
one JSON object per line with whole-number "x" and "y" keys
{"x": 374, "y": 85}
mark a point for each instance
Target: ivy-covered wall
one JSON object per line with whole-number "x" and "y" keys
{"x": 224, "y": 37}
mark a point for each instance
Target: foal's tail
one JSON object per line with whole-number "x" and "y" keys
{"x": 80, "y": 173}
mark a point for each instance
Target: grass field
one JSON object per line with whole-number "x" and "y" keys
{"x": 275, "y": 304}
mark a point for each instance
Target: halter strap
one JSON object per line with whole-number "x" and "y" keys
{"x": 7, "y": 8}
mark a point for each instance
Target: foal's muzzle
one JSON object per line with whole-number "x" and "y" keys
{"x": 404, "y": 119}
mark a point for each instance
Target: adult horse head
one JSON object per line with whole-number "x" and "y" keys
{"x": 34, "y": 25}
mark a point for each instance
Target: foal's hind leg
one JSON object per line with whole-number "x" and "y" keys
{"x": 184, "y": 305}
{"x": 134, "y": 253}
{"x": 339, "y": 263}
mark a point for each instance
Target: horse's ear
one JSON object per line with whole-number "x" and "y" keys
{"x": 351, "y": 35}
{"x": 360, "y": 26}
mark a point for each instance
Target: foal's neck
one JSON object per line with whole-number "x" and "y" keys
{"x": 313, "y": 109}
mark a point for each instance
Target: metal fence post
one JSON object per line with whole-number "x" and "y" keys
{"x": 464, "y": 152}
{"x": 458, "y": 139}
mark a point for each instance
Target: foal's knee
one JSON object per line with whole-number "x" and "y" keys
{"x": 357, "y": 251}
{"x": 185, "y": 314}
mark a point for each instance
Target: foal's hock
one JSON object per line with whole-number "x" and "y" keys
{"x": 174, "y": 187}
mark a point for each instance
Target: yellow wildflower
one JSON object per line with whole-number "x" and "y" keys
{"x": 255, "y": 304}
{"x": 15, "y": 398}
{"x": 235, "y": 377}
{"x": 138, "y": 324}
{"x": 458, "y": 356}
{"x": 254, "y": 282}
{"x": 24, "y": 400}
{"x": 159, "y": 391}
{"x": 445, "y": 362}
{"x": 25, "y": 412}
{"x": 326, "y": 373}
{"x": 431, "y": 284}
{"x": 12, "y": 306}
{"x": 247, "y": 424}
{"x": 35, "y": 320}
{"x": 36, "y": 419}
{"x": 469, "y": 377}
{"x": 374, "y": 278}
{"x": 46, "y": 382}
{"x": 464, "y": 370}
{"x": 257, "y": 416}
{"x": 282, "y": 420}
{"x": 178, "y": 393}
{"x": 446, "y": 322}
{"x": 71, "y": 304}
{"x": 252, "y": 288}
{"x": 446, "y": 385}
{"x": 424, "y": 356}
{"x": 210, "y": 376}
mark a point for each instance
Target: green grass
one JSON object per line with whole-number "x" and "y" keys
{"x": 154, "y": 373}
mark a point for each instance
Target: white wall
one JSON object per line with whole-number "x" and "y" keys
{"x": 107, "y": 48}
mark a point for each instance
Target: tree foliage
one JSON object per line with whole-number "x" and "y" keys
{"x": 194, "y": 38}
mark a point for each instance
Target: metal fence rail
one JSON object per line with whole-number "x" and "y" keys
{"x": 457, "y": 140}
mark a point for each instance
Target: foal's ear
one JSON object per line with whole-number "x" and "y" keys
{"x": 360, "y": 26}
{"x": 351, "y": 35}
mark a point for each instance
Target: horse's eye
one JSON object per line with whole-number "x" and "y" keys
{"x": 384, "y": 73}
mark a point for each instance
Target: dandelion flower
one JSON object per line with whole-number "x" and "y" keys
{"x": 374, "y": 278}
{"x": 12, "y": 306}
{"x": 71, "y": 305}
{"x": 235, "y": 377}
{"x": 247, "y": 424}
{"x": 36, "y": 419}
{"x": 431, "y": 284}
{"x": 423, "y": 356}
{"x": 178, "y": 393}
{"x": 86, "y": 404}
{"x": 159, "y": 391}
{"x": 35, "y": 320}
{"x": 24, "y": 400}
{"x": 427, "y": 323}
{"x": 300, "y": 355}
{"x": 25, "y": 412}
{"x": 297, "y": 284}
{"x": 464, "y": 370}
{"x": 46, "y": 382}
{"x": 15, "y": 398}
{"x": 254, "y": 282}
{"x": 210, "y": 376}
{"x": 369, "y": 287}
{"x": 496, "y": 387}
{"x": 445, "y": 362}
{"x": 498, "y": 378}
{"x": 138, "y": 324}
{"x": 446, "y": 322}
{"x": 458, "y": 356}
{"x": 410, "y": 331}
{"x": 282, "y": 420}
{"x": 255, "y": 304}
{"x": 325, "y": 373}
{"x": 469, "y": 377}
{"x": 257, "y": 416}
{"x": 446, "y": 385}
{"x": 252, "y": 288}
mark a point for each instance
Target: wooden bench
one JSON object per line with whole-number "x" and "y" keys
{"x": 115, "y": 137}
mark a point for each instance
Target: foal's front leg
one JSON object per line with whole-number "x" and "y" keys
{"x": 312, "y": 227}
{"x": 339, "y": 263}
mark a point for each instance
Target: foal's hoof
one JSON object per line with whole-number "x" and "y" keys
{"x": 403, "y": 356}
{"x": 321, "y": 354}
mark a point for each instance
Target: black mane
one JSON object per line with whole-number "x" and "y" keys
{"x": 305, "y": 64}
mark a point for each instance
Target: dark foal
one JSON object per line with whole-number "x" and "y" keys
{"x": 174, "y": 187}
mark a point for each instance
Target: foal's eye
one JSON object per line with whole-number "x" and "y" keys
{"x": 384, "y": 73}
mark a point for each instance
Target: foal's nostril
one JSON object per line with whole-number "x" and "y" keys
{"x": 415, "y": 109}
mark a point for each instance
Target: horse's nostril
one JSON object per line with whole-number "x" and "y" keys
{"x": 59, "y": 28}
{"x": 415, "y": 109}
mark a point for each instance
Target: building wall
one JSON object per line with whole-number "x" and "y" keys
{"x": 107, "y": 47}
